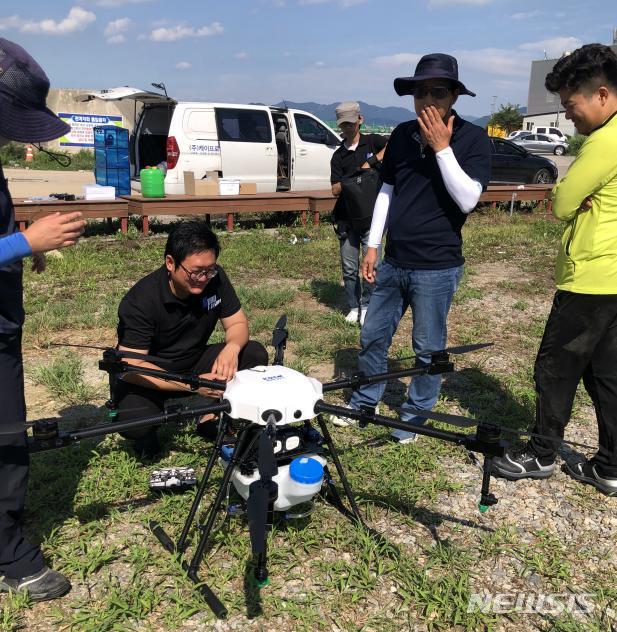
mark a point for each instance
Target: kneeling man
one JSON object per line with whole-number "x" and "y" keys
{"x": 171, "y": 314}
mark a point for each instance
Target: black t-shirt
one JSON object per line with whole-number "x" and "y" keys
{"x": 11, "y": 289}
{"x": 153, "y": 319}
{"x": 424, "y": 222}
{"x": 345, "y": 163}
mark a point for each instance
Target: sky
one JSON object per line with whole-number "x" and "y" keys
{"x": 300, "y": 50}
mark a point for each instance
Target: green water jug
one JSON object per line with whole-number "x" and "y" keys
{"x": 152, "y": 182}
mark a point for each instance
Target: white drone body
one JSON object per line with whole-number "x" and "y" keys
{"x": 268, "y": 389}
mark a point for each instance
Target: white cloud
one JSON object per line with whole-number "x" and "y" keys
{"x": 241, "y": 55}
{"x": 114, "y": 31}
{"x": 183, "y": 65}
{"x": 179, "y": 32}
{"x": 494, "y": 61}
{"x": 396, "y": 60}
{"x": 554, "y": 46}
{"x": 77, "y": 20}
{"x": 112, "y": 3}
{"x": 442, "y": 3}
{"x": 525, "y": 15}
{"x": 343, "y": 4}
{"x": 319, "y": 64}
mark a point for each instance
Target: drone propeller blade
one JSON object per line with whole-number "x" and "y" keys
{"x": 120, "y": 354}
{"x": 468, "y": 348}
{"x": 266, "y": 465}
{"x": 279, "y": 339}
{"x": 257, "y": 513}
{"x": 261, "y": 492}
{"x": 452, "y": 420}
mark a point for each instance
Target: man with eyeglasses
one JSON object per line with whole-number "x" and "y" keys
{"x": 171, "y": 314}
{"x": 434, "y": 170}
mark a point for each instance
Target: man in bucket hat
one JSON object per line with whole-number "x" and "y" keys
{"x": 24, "y": 117}
{"x": 434, "y": 170}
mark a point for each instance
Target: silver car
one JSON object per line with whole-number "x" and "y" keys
{"x": 541, "y": 144}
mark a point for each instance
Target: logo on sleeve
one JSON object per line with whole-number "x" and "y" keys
{"x": 210, "y": 302}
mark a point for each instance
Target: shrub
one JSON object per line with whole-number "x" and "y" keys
{"x": 574, "y": 144}
{"x": 14, "y": 155}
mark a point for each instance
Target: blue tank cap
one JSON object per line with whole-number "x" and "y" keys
{"x": 227, "y": 452}
{"x": 306, "y": 470}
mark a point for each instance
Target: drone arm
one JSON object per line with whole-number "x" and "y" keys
{"x": 62, "y": 439}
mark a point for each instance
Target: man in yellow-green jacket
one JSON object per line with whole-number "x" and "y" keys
{"x": 580, "y": 337}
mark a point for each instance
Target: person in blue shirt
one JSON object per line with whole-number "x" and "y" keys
{"x": 25, "y": 118}
{"x": 433, "y": 171}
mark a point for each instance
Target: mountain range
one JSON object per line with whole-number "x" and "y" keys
{"x": 373, "y": 114}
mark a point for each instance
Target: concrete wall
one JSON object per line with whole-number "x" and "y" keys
{"x": 63, "y": 100}
{"x": 539, "y": 99}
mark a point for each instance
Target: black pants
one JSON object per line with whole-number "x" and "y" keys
{"x": 580, "y": 340}
{"x": 18, "y": 557}
{"x": 135, "y": 402}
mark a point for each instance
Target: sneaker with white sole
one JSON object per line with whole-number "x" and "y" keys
{"x": 342, "y": 421}
{"x": 353, "y": 315}
{"x": 586, "y": 472}
{"x": 522, "y": 463}
{"x": 42, "y": 586}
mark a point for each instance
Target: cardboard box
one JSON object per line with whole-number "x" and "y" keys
{"x": 199, "y": 187}
{"x": 248, "y": 188}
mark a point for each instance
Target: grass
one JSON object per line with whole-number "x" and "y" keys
{"x": 90, "y": 506}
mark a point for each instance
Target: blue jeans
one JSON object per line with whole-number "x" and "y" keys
{"x": 429, "y": 294}
{"x": 351, "y": 241}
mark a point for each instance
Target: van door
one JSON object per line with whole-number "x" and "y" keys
{"x": 313, "y": 146}
{"x": 248, "y": 148}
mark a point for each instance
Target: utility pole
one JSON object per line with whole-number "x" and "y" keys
{"x": 493, "y": 101}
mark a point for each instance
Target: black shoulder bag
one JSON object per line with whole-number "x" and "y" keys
{"x": 359, "y": 192}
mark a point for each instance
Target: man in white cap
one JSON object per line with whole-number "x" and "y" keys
{"x": 357, "y": 151}
{"x": 24, "y": 118}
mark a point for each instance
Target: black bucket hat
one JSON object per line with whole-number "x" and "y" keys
{"x": 24, "y": 116}
{"x": 433, "y": 66}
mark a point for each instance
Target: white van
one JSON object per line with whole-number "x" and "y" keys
{"x": 554, "y": 133}
{"x": 277, "y": 148}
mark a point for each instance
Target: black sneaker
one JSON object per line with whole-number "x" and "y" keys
{"x": 148, "y": 446}
{"x": 522, "y": 463}
{"x": 585, "y": 472}
{"x": 44, "y": 585}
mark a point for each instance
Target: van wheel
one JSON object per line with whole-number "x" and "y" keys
{"x": 559, "y": 150}
{"x": 543, "y": 177}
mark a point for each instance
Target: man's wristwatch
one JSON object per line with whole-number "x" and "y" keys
{"x": 373, "y": 162}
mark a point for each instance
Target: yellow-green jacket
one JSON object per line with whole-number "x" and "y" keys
{"x": 587, "y": 259}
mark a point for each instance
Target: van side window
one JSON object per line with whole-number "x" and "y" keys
{"x": 310, "y": 131}
{"x": 243, "y": 126}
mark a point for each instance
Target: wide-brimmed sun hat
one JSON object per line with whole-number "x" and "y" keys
{"x": 433, "y": 66}
{"x": 24, "y": 115}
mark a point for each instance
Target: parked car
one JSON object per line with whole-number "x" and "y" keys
{"x": 552, "y": 132}
{"x": 514, "y": 164}
{"x": 279, "y": 149}
{"x": 541, "y": 144}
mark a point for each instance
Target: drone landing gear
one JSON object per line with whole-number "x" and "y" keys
{"x": 249, "y": 437}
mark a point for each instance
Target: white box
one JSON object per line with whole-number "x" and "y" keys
{"x": 229, "y": 187}
{"x": 98, "y": 192}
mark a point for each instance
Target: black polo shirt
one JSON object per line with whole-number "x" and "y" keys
{"x": 152, "y": 318}
{"x": 11, "y": 289}
{"x": 345, "y": 163}
{"x": 424, "y": 222}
